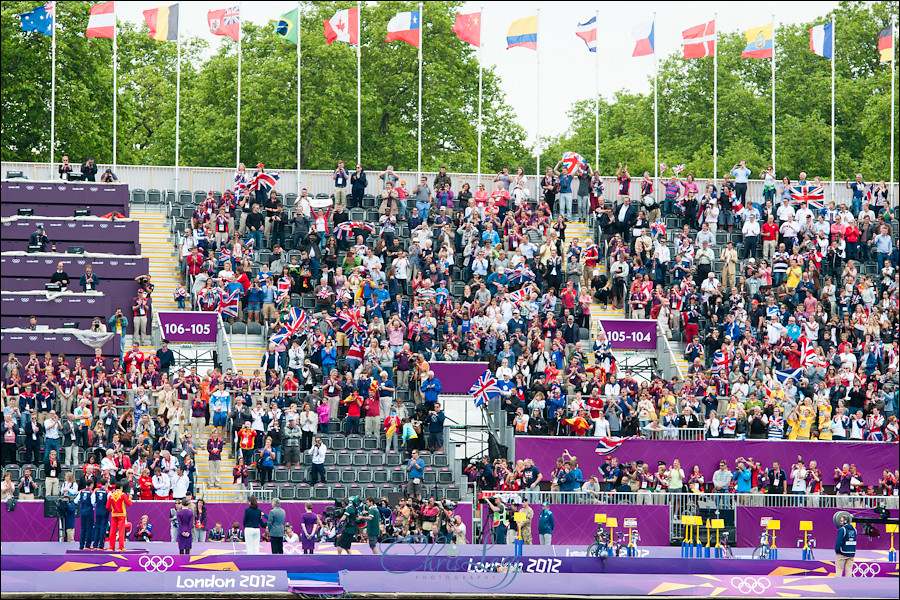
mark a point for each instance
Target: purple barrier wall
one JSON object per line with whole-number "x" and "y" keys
{"x": 41, "y": 266}
{"x": 21, "y": 344}
{"x": 15, "y": 309}
{"x": 871, "y": 458}
{"x": 747, "y": 519}
{"x": 95, "y": 235}
{"x": 119, "y": 291}
{"x": 61, "y": 199}
{"x": 458, "y": 377}
{"x": 574, "y": 523}
{"x": 27, "y": 522}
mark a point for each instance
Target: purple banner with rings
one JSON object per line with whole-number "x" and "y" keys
{"x": 189, "y": 327}
{"x": 747, "y": 519}
{"x": 630, "y": 334}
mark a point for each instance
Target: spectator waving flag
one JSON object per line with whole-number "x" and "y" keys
{"x": 263, "y": 182}
{"x": 350, "y": 321}
{"x": 794, "y": 374}
{"x": 280, "y": 337}
{"x": 808, "y": 357}
{"x": 720, "y": 361}
{"x": 296, "y": 319}
{"x": 610, "y": 444}
{"x": 346, "y": 229}
{"x": 484, "y": 389}
{"x": 572, "y": 162}
{"x": 518, "y": 297}
{"x": 521, "y": 274}
{"x": 587, "y": 31}
{"x": 812, "y": 195}
{"x": 228, "y": 304}
{"x": 658, "y": 227}
{"x": 283, "y": 289}
{"x": 677, "y": 169}
{"x": 662, "y": 167}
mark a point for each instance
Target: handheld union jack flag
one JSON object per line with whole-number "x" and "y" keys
{"x": 263, "y": 182}
{"x": 296, "y": 319}
{"x": 228, "y": 304}
{"x": 346, "y": 229}
{"x": 812, "y": 195}
{"x": 280, "y": 337}
{"x": 609, "y": 444}
{"x": 572, "y": 162}
{"x": 521, "y": 274}
{"x": 351, "y": 321}
{"x": 283, "y": 289}
{"x": 518, "y": 297}
{"x": 677, "y": 169}
{"x": 484, "y": 389}
{"x": 323, "y": 293}
{"x": 442, "y": 296}
{"x": 720, "y": 361}
{"x": 658, "y": 227}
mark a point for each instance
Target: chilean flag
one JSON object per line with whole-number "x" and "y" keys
{"x": 821, "y": 40}
{"x": 404, "y": 26}
{"x": 644, "y": 39}
{"x": 700, "y": 40}
{"x": 588, "y": 32}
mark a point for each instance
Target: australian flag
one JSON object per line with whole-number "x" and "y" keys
{"x": 484, "y": 389}
{"x": 40, "y": 19}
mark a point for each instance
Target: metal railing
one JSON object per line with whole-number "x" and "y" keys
{"x": 226, "y": 495}
{"x": 675, "y": 433}
{"x": 320, "y": 182}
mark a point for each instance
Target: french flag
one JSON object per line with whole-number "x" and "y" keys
{"x": 644, "y": 39}
{"x": 405, "y": 27}
{"x": 588, "y": 32}
{"x": 821, "y": 40}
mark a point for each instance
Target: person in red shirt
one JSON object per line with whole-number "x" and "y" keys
{"x": 354, "y": 403}
{"x": 246, "y": 441}
{"x": 145, "y": 485}
{"x": 115, "y": 504}
{"x": 769, "y": 232}
{"x": 134, "y": 356}
{"x": 569, "y": 296}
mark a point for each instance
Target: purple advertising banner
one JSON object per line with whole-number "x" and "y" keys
{"x": 631, "y": 334}
{"x": 458, "y": 377}
{"x": 870, "y": 458}
{"x": 61, "y": 199}
{"x": 23, "y": 342}
{"x": 747, "y": 520}
{"x": 155, "y": 579}
{"x": 574, "y": 523}
{"x": 189, "y": 327}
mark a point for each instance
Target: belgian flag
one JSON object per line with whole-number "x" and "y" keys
{"x": 886, "y": 44}
{"x": 163, "y": 23}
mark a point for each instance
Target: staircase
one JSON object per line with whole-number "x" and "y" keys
{"x": 201, "y": 462}
{"x": 247, "y": 353}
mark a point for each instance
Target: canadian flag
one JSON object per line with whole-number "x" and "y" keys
{"x": 102, "y": 22}
{"x": 700, "y": 40}
{"x": 343, "y": 27}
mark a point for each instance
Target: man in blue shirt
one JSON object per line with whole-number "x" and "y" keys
{"x": 496, "y": 280}
{"x": 845, "y": 548}
{"x": 741, "y": 175}
{"x": 415, "y": 469}
{"x": 101, "y": 521}
{"x": 86, "y": 512}
{"x": 436, "y": 429}
{"x": 431, "y": 387}
{"x": 858, "y": 188}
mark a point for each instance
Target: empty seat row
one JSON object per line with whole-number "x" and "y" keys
{"x": 337, "y": 491}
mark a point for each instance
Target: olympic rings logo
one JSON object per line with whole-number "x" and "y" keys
{"x": 748, "y": 585}
{"x": 156, "y": 563}
{"x": 866, "y": 569}
{"x": 293, "y": 549}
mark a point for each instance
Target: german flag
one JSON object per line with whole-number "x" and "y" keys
{"x": 163, "y": 23}
{"x": 886, "y": 44}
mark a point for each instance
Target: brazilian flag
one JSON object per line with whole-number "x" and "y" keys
{"x": 288, "y": 26}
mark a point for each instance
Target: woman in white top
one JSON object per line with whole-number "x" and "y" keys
{"x": 713, "y": 425}
{"x": 161, "y": 485}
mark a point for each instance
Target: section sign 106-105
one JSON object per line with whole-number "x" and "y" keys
{"x": 189, "y": 327}
{"x": 630, "y": 334}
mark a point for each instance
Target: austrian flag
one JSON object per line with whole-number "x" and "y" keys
{"x": 102, "y": 23}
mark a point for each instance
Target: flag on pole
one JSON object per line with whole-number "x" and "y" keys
{"x": 343, "y": 27}
{"x": 886, "y": 44}
{"x": 102, "y": 23}
{"x": 162, "y": 23}
{"x": 484, "y": 389}
{"x": 760, "y": 42}
{"x": 225, "y": 21}
{"x": 587, "y": 31}
{"x": 39, "y": 19}
{"x": 700, "y": 40}
{"x": 404, "y": 26}
{"x": 644, "y": 41}
{"x": 288, "y": 25}
{"x": 468, "y": 28}
{"x": 523, "y": 33}
{"x": 821, "y": 40}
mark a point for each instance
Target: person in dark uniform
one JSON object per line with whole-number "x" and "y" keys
{"x": 845, "y": 547}
{"x": 86, "y": 512}
{"x": 38, "y": 241}
{"x": 101, "y": 516}
{"x": 89, "y": 170}
{"x": 350, "y": 522}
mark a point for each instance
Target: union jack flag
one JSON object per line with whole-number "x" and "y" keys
{"x": 263, "y": 182}
{"x": 442, "y": 296}
{"x": 521, "y": 274}
{"x": 232, "y": 16}
{"x": 813, "y": 196}
{"x": 249, "y": 245}
{"x": 323, "y": 293}
{"x": 351, "y": 321}
{"x": 228, "y": 304}
{"x": 484, "y": 389}
{"x": 720, "y": 361}
{"x": 518, "y": 297}
{"x": 347, "y": 228}
{"x": 240, "y": 183}
{"x": 592, "y": 252}
{"x": 296, "y": 319}
{"x": 678, "y": 169}
{"x": 662, "y": 167}
{"x": 658, "y": 227}
{"x": 808, "y": 357}
{"x": 280, "y": 337}
{"x": 610, "y": 444}
{"x": 225, "y": 255}
{"x": 356, "y": 350}
{"x": 283, "y": 289}
{"x": 572, "y": 161}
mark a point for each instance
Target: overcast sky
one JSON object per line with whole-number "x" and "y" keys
{"x": 567, "y": 68}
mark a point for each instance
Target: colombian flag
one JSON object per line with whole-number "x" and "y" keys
{"x": 163, "y": 23}
{"x": 523, "y": 33}
{"x": 760, "y": 42}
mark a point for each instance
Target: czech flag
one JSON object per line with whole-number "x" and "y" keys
{"x": 821, "y": 40}
{"x": 644, "y": 39}
{"x": 404, "y": 26}
{"x": 588, "y": 32}
{"x": 760, "y": 42}
{"x": 523, "y": 33}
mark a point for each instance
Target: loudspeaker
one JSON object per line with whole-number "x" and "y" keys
{"x": 495, "y": 449}
{"x": 51, "y": 507}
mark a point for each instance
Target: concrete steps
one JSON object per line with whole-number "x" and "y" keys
{"x": 201, "y": 462}
{"x": 247, "y": 359}
{"x": 157, "y": 245}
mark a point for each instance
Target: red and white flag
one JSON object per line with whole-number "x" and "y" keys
{"x": 102, "y": 23}
{"x": 225, "y": 21}
{"x": 343, "y": 27}
{"x": 700, "y": 40}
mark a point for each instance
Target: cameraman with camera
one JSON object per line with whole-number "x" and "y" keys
{"x": 89, "y": 170}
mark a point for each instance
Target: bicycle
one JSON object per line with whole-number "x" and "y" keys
{"x": 601, "y": 542}
{"x": 764, "y": 550}
{"x": 724, "y": 548}
{"x": 811, "y": 543}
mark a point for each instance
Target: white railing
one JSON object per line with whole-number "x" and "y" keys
{"x": 319, "y": 182}
{"x": 226, "y": 495}
{"x": 675, "y": 433}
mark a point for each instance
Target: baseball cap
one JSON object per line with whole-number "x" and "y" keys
{"x": 545, "y": 503}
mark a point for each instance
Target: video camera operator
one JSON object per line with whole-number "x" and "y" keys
{"x": 498, "y": 518}
{"x": 350, "y": 522}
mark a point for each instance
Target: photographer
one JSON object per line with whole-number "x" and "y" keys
{"x": 498, "y": 518}
{"x": 108, "y": 176}
{"x": 65, "y": 169}
{"x": 89, "y": 170}
{"x": 430, "y": 519}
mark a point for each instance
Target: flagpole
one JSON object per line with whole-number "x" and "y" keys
{"x": 358, "y": 82}
{"x": 773, "y": 92}
{"x": 833, "y": 53}
{"x": 655, "y": 115}
{"x": 893, "y": 91}
{"x": 299, "y": 39}
{"x": 480, "y": 70}
{"x": 115, "y": 45}
{"x": 596, "y": 91}
{"x": 538, "y": 97}
{"x": 240, "y": 39}
{"x": 716, "y": 96}
{"x": 419, "y": 151}
{"x": 177, "y": 109}
{"x": 53, "y": 85}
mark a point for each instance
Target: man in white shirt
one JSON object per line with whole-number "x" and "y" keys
{"x": 774, "y": 329}
{"x": 612, "y": 389}
{"x": 785, "y": 210}
{"x": 318, "y": 452}
{"x": 751, "y": 235}
{"x": 180, "y": 484}
{"x": 802, "y": 213}
{"x": 798, "y": 474}
{"x": 108, "y": 465}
